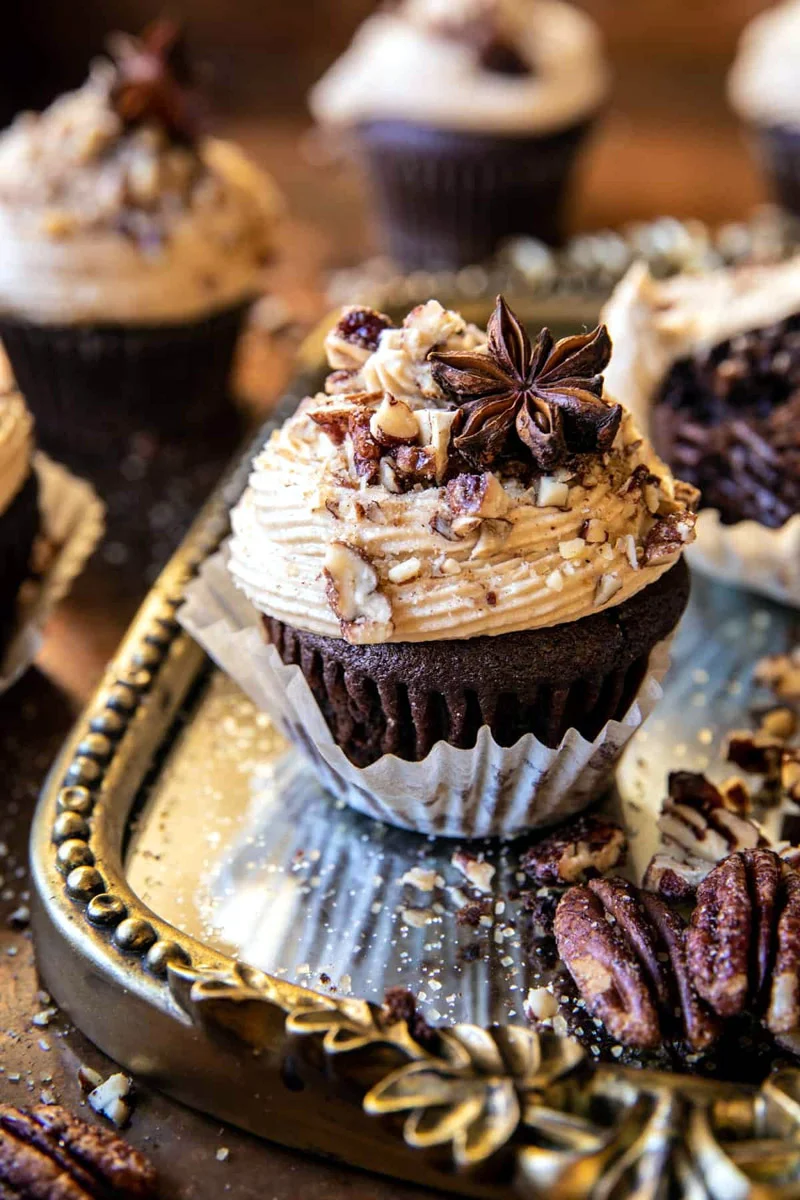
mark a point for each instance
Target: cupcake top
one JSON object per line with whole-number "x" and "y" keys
{"x": 451, "y": 483}
{"x": 114, "y": 208}
{"x": 16, "y": 445}
{"x": 763, "y": 85}
{"x": 712, "y": 364}
{"x": 488, "y": 66}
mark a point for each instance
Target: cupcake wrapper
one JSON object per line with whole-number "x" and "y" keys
{"x": 91, "y": 385}
{"x": 489, "y": 790}
{"x": 446, "y": 199}
{"x": 72, "y": 521}
{"x": 778, "y": 150}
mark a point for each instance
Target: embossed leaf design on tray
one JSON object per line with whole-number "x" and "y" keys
{"x": 348, "y": 1025}
{"x": 476, "y": 1094}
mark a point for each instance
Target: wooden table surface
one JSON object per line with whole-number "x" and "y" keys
{"x": 682, "y": 154}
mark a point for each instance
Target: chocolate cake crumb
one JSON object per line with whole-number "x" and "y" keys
{"x": 400, "y": 1004}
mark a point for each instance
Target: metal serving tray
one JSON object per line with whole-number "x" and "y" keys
{"x": 218, "y": 925}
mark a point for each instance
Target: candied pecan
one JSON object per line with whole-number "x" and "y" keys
{"x": 605, "y": 970}
{"x": 637, "y": 1006}
{"x": 764, "y": 877}
{"x": 588, "y": 845}
{"x": 620, "y": 899}
{"x": 755, "y": 753}
{"x": 783, "y": 1012}
{"x": 46, "y": 1152}
{"x": 700, "y": 1027}
{"x": 718, "y": 941}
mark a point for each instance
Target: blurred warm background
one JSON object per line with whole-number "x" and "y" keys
{"x": 669, "y": 143}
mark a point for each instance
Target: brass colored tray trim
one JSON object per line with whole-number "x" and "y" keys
{"x": 485, "y": 1112}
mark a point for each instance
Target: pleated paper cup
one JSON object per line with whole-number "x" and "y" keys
{"x": 488, "y": 790}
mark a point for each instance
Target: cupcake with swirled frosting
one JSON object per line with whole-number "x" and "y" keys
{"x": 470, "y": 115}
{"x": 131, "y": 247}
{"x": 464, "y": 541}
{"x": 19, "y": 506}
{"x": 764, "y": 89}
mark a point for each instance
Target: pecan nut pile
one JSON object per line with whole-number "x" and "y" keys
{"x": 47, "y": 1152}
{"x": 743, "y": 943}
{"x": 626, "y": 951}
{"x": 698, "y": 827}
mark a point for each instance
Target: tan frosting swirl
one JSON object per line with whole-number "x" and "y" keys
{"x": 317, "y": 548}
{"x": 16, "y": 446}
{"x": 100, "y": 223}
{"x": 402, "y": 64}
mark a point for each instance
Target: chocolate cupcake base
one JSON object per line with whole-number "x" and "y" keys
{"x": 92, "y": 387}
{"x": 447, "y": 199}
{"x": 19, "y": 525}
{"x": 403, "y": 698}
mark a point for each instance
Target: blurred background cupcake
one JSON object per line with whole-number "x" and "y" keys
{"x": 131, "y": 248}
{"x": 470, "y": 114}
{"x": 764, "y": 88}
{"x": 710, "y": 366}
{"x": 19, "y": 506}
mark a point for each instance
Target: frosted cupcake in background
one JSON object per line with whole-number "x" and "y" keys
{"x": 764, "y": 88}
{"x": 131, "y": 248}
{"x": 470, "y": 114}
{"x": 470, "y": 556}
{"x": 19, "y": 506}
{"x": 710, "y": 366}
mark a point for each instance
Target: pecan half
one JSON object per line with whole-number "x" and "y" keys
{"x": 632, "y": 973}
{"x": 718, "y": 941}
{"x": 783, "y": 1012}
{"x": 620, "y": 898}
{"x": 588, "y": 845}
{"x": 700, "y": 1027}
{"x": 46, "y": 1152}
{"x": 606, "y": 972}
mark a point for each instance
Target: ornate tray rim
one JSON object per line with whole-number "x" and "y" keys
{"x": 488, "y": 1112}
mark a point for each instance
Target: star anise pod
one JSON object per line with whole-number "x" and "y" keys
{"x": 547, "y": 396}
{"x": 153, "y": 81}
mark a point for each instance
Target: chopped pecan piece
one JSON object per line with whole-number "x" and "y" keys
{"x": 46, "y": 1152}
{"x": 668, "y": 536}
{"x": 781, "y": 672}
{"x": 586, "y": 846}
{"x": 605, "y": 969}
{"x": 476, "y": 496}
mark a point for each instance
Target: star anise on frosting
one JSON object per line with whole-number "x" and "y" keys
{"x": 153, "y": 81}
{"x": 514, "y": 398}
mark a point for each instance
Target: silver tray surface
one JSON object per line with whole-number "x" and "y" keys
{"x": 212, "y": 920}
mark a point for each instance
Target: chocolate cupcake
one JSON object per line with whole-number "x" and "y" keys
{"x": 764, "y": 89}
{"x": 131, "y": 248}
{"x": 464, "y": 544}
{"x": 470, "y": 116}
{"x": 19, "y": 507}
{"x": 711, "y": 365}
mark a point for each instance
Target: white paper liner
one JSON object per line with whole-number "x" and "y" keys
{"x": 72, "y": 520}
{"x": 489, "y": 790}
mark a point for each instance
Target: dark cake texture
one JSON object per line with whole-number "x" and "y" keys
{"x": 402, "y": 698}
{"x": 727, "y": 420}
